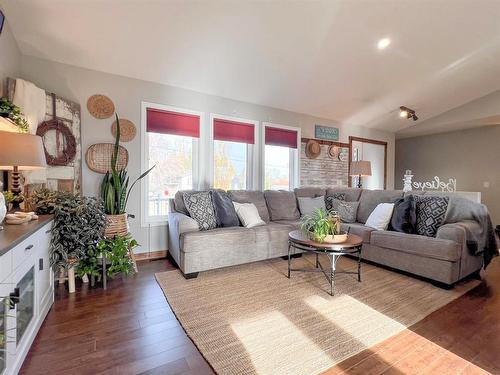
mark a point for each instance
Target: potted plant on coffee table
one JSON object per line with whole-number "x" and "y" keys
{"x": 115, "y": 192}
{"x": 321, "y": 226}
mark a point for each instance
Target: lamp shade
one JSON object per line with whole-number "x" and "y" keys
{"x": 24, "y": 151}
{"x": 361, "y": 168}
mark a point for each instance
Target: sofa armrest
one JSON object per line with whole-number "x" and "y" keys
{"x": 469, "y": 263}
{"x": 177, "y": 225}
{"x": 457, "y": 231}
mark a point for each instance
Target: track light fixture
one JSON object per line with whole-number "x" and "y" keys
{"x": 407, "y": 113}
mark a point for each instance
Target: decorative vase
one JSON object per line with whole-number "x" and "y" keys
{"x": 3, "y": 209}
{"x": 116, "y": 225}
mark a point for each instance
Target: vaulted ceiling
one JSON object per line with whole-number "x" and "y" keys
{"x": 315, "y": 57}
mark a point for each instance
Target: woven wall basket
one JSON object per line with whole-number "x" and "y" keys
{"x": 127, "y": 130}
{"x": 116, "y": 225}
{"x": 100, "y": 106}
{"x": 98, "y": 157}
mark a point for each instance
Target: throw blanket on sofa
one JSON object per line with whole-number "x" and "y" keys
{"x": 482, "y": 241}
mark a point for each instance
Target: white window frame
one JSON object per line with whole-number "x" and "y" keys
{"x": 147, "y": 220}
{"x": 252, "y": 151}
{"x": 294, "y": 176}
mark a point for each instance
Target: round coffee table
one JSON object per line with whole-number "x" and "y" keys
{"x": 298, "y": 240}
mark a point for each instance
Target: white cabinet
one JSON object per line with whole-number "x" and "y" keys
{"x": 30, "y": 283}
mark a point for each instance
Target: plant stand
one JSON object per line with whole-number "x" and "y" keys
{"x": 104, "y": 274}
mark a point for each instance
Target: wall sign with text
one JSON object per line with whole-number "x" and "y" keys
{"x": 327, "y": 133}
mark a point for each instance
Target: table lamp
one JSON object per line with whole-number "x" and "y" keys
{"x": 360, "y": 168}
{"x": 20, "y": 152}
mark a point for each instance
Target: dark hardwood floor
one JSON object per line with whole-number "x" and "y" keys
{"x": 127, "y": 329}
{"x": 130, "y": 329}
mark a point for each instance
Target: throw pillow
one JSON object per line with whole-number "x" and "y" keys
{"x": 248, "y": 214}
{"x": 347, "y": 211}
{"x": 430, "y": 212}
{"x": 308, "y": 205}
{"x": 380, "y": 217}
{"x": 200, "y": 207}
{"x": 282, "y": 205}
{"x": 224, "y": 209}
{"x": 403, "y": 217}
{"x": 330, "y": 197}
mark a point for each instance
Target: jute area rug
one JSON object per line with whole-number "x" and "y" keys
{"x": 252, "y": 319}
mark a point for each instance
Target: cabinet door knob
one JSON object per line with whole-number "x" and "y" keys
{"x": 29, "y": 247}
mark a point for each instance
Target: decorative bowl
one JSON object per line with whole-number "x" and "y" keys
{"x": 336, "y": 238}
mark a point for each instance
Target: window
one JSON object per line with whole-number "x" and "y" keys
{"x": 232, "y": 153}
{"x": 280, "y": 157}
{"x": 172, "y": 143}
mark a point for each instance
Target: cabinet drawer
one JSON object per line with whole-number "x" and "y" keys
{"x": 5, "y": 265}
{"x": 24, "y": 251}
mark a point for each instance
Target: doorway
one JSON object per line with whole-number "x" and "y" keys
{"x": 375, "y": 152}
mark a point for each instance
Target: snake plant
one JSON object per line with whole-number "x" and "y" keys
{"x": 115, "y": 189}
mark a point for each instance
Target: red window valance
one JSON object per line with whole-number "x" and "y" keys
{"x": 176, "y": 123}
{"x": 233, "y": 131}
{"x": 281, "y": 137}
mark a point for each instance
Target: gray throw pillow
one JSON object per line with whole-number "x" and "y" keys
{"x": 430, "y": 212}
{"x": 282, "y": 205}
{"x": 224, "y": 209}
{"x": 200, "y": 208}
{"x": 307, "y": 205}
{"x": 331, "y": 197}
{"x": 347, "y": 211}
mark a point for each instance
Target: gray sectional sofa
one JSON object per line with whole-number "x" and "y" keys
{"x": 444, "y": 258}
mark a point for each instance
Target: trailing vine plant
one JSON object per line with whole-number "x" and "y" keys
{"x": 13, "y": 112}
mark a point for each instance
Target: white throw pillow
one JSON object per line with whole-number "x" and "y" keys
{"x": 381, "y": 216}
{"x": 248, "y": 214}
{"x": 308, "y": 205}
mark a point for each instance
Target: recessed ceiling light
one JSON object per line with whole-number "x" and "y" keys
{"x": 383, "y": 43}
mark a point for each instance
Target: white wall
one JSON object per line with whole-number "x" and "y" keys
{"x": 10, "y": 57}
{"x": 78, "y": 84}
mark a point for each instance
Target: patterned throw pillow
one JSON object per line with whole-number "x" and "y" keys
{"x": 330, "y": 198}
{"x": 347, "y": 211}
{"x": 200, "y": 207}
{"x": 430, "y": 212}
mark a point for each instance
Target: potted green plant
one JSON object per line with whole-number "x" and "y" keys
{"x": 77, "y": 229}
{"x": 12, "y": 112}
{"x": 321, "y": 226}
{"x": 115, "y": 192}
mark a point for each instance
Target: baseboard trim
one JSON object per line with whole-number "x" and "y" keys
{"x": 151, "y": 256}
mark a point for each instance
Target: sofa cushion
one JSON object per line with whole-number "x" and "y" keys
{"x": 308, "y": 205}
{"x": 291, "y": 224}
{"x": 224, "y": 209}
{"x": 371, "y": 198}
{"x": 252, "y": 196}
{"x": 430, "y": 212}
{"x": 427, "y": 247}
{"x": 403, "y": 217}
{"x": 282, "y": 204}
{"x": 179, "y": 201}
{"x": 359, "y": 230}
{"x": 201, "y": 208}
{"x": 310, "y": 191}
{"x": 351, "y": 194}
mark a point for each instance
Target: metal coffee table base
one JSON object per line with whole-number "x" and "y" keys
{"x": 333, "y": 257}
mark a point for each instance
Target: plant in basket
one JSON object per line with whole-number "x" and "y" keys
{"x": 115, "y": 192}
{"x": 322, "y": 226}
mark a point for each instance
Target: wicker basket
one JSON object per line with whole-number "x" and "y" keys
{"x": 98, "y": 157}
{"x": 116, "y": 225}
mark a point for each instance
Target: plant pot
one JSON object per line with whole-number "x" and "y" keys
{"x": 336, "y": 238}
{"x": 116, "y": 225}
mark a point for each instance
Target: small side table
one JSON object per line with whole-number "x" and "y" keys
{"x": 353, "y": 246}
